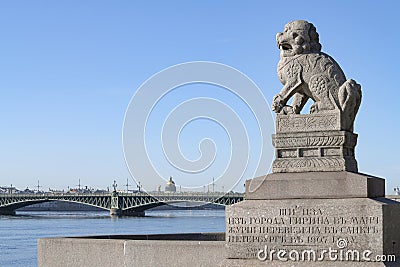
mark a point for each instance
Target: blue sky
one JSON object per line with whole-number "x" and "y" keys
{"x": 68, "y": 70}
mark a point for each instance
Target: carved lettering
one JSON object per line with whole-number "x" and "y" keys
{"x": 300, "y": 226}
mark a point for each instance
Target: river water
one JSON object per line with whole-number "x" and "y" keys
{"x": 19, "y": 233}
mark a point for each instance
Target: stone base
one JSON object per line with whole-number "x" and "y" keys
{"x": 315, "y": 185}
{"x": 314, "y": 151}
{"x": 361, "y": 224}
{"x": 115, "y": 212}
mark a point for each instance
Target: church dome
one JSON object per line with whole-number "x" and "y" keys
{"x": 170, "y": 186}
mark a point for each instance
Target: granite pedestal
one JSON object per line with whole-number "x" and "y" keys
{"x": 292, "y": 218}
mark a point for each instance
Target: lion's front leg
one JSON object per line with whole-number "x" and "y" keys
{"x": 299, "y": 100}
{"x": 292, "y": 85}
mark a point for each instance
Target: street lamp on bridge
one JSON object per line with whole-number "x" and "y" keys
{"x": 115, "y": 186}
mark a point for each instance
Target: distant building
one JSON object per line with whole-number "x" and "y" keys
{"x": 170, "y": 186}
{"x": 28, "y": 191}
{"x": 8, "y": 190}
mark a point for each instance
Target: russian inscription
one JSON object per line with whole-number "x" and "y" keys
{"x": 300, "y": 226}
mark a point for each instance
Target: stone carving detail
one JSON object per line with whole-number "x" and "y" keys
{"x": 313, "y": 163}
{"x": 303, "y": 140}
{"x": 309, "y": 141}
{"x": 307, "y": 73}
{"x": 309, "y": 122}
{"x": 315, "y": 151}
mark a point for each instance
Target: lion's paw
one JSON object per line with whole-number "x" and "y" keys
{"x": 286, "y": 110}
{"x": 277, "y": 103}
{"x": 314, "y": 108}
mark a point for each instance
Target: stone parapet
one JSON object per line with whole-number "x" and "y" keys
{"x": 175, "y": 250}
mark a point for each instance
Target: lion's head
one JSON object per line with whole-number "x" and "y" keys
{"x": 299, "y": 37}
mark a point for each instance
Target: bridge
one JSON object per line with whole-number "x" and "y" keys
{"x": 127, "y": 204}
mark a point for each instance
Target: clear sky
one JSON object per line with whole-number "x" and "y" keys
{"x": 68, "y": 70}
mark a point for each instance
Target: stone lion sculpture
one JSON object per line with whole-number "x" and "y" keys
{"x": 307, "y": 73}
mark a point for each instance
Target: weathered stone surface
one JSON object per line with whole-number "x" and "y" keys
{"x": 313, "y": 224}
{"x": 315, "y": 139}
{"x": 307, "y": 73}
{"x": 314, "y": 151}
{"x": 175, "y": 250}
{"x": 80, "y": 252}
{"x": 293, "y": 123}
{"x": 315, "y": 185}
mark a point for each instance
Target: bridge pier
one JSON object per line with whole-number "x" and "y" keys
{"x": 7, "y": 212}
{"x": 115, "y": 212}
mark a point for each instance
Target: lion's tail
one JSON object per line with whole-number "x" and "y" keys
{"x": 349, "y": 96}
